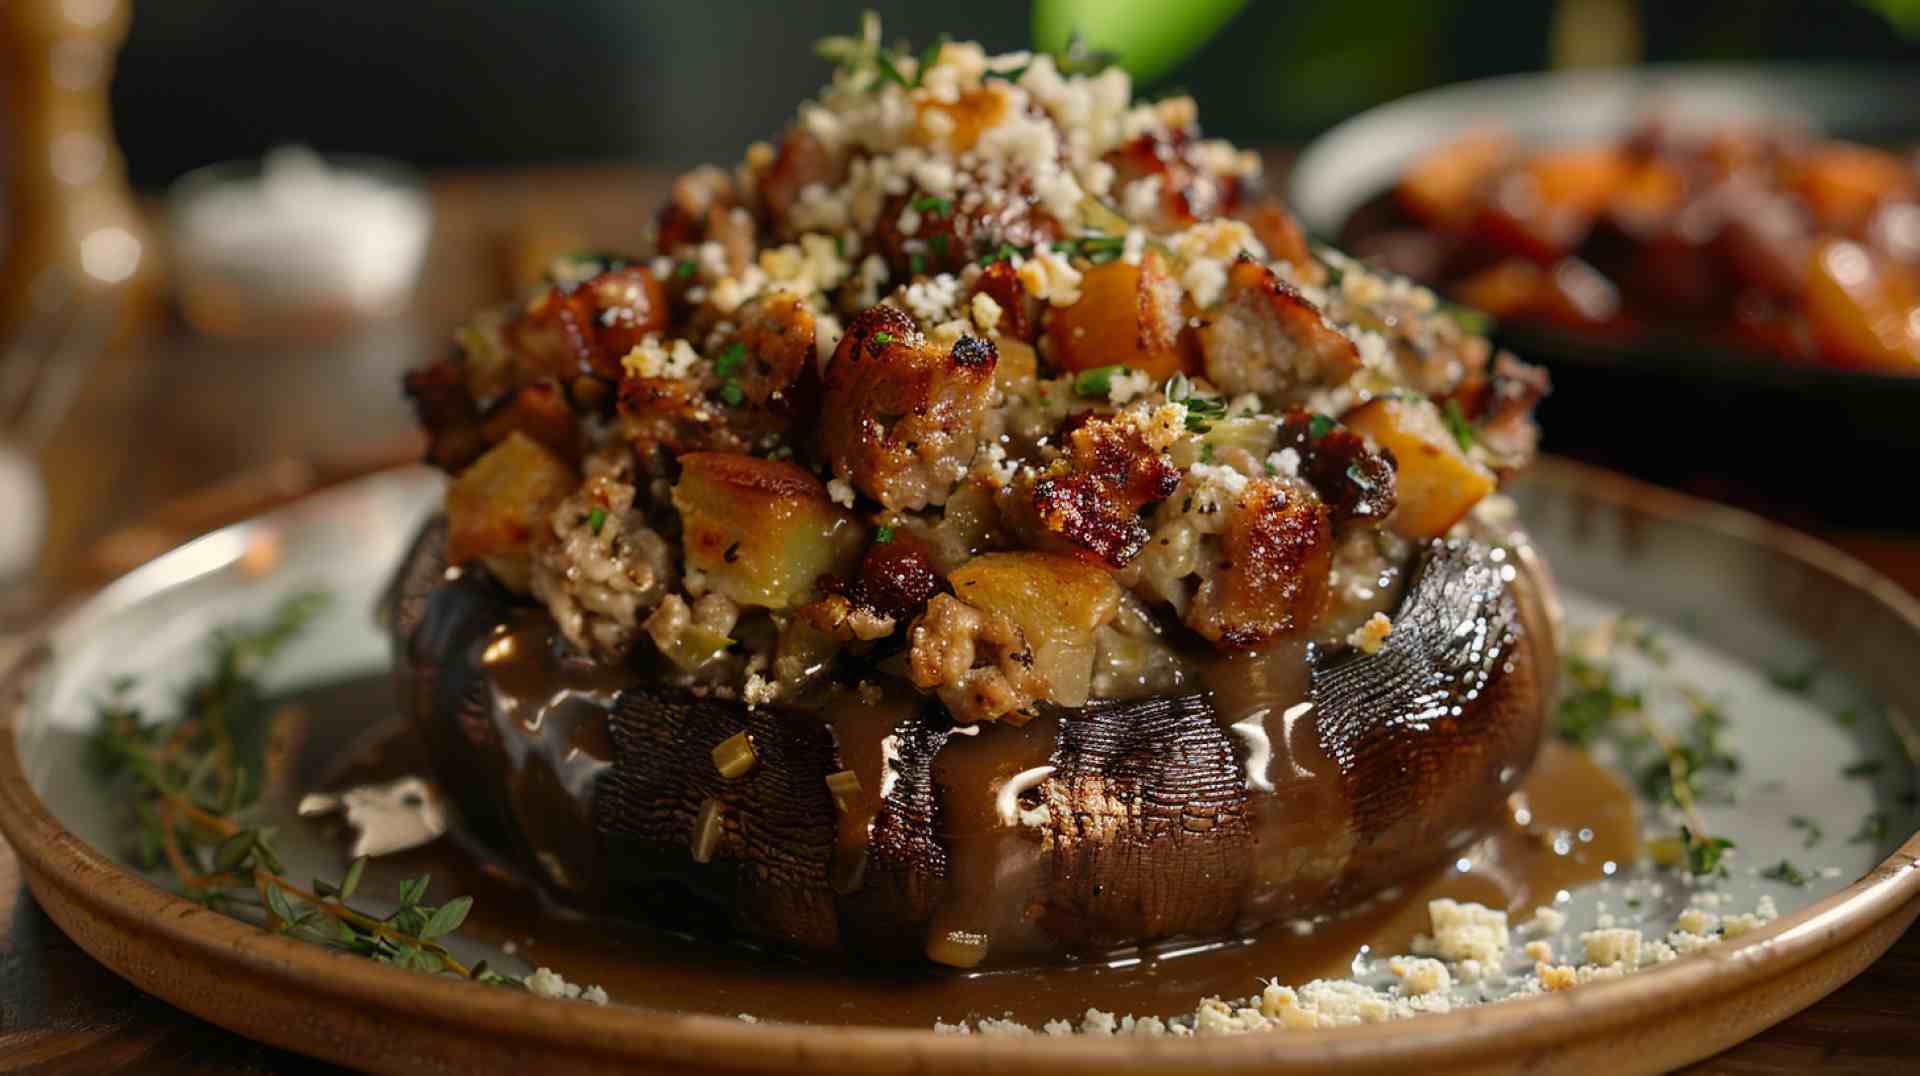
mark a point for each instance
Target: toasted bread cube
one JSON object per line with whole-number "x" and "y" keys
{"x": 497, "y": 503}
{"x": 1056, "y": 600}
{"x": 1127, "y": 314}
{"x": 1437, "y": 481}
{"x": 763, "y": 531}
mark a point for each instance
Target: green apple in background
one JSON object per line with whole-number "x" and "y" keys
{"x": 1148, "y": 37}
{"x": 1903, "y": 14}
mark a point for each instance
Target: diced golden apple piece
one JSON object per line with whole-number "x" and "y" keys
{"x": 763, "y": 531}
{"x": 1129, "y": 315}
{"x": 1057, "y": 601}
{"x": 496, "y": 504}
{"x": 1437, "y": 481}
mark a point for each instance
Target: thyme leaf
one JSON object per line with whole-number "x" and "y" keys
{"x": 1457, "y": 423}
{"x": 1812, "y": 829}
{"x": 191, "y": 779}
{"x": 1096, "y": 383}
{"x": 1784, "y": 871}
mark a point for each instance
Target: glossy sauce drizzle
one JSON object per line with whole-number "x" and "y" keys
{"x": 1570, "y": 825}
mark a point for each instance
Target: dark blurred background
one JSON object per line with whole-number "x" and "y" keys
{"x": 501, "y": 82}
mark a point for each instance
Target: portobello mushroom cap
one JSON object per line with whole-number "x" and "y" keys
{"x": 1119, "y": 823}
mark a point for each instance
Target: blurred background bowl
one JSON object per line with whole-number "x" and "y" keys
{"x": 296, "y": 244}
{"x": 1811, "y": 444}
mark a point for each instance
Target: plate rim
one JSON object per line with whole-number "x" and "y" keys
{"x": 86, "y": 892}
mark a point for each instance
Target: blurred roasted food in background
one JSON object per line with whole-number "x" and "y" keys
{"x": 1762, "y": 240}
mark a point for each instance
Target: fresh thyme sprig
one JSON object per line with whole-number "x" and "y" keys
{"x": 1593, "y": 707}
{"x": 192, "y": 779}
{"x": 1703, "y": 851}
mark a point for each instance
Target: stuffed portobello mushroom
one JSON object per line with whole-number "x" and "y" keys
{"x": 980, "y": 531}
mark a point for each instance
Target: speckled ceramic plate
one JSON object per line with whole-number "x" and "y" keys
{"x": 1734, "y": 597}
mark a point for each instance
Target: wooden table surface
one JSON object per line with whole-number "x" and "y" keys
{"x": 265, "y": 418}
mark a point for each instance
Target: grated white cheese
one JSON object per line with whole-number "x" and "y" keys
{"x": 986, "y": 312}
{"x": 827, "y": 332}
{"x": 1127, "y": 385}
{"x": 1049, "y": 277}
{"x": 547, "y": 983}
{"x": 1617, "y": 945}
{"x": 1547, "y": 920}
{"x": 1464, "y": 931}
{"x": 933, "y": 300}
{"x": 1372, "y": 635}
{"x": 1421, "y": 975}
{"x": 651, "y": 358}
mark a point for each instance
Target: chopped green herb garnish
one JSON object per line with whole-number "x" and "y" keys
{"x": 1685, "y": 773}
{"x": 1799, "y": 681}
{"x": 596, "y": 519}
{"x": 1671, "y": 769}
{"x": 917, "y": 264}
{"x": 1784, "y": 871}
{"x": 1206, "y": 452}
{"x": 1457, "y": 422}
{"x": 1004, "y": 252}
{"x": 729, "y": 361}
{"x": 1096, "y": 383}
{"x": 1319, "y": 426}
{"x": 1873, "y": 829}
{"x": 930, "y": 56}
{"x": 1848, "y": 717}
{"x": 1811, "y": 828}
{"x": 938, "y": 245}
{"x": 888, "y": 71}
{"x": 685, "y": 270}
{"x": 1011, "y": 74}
{"x": 727, "y": 366}
{"x": 1590, "y": 703}
{"x": 882, "y": 338}
{"x": 1645, "y": 640}
{"x": 933, "y": 206}
{"x": 1094, "y": 248}
{"x": 1473, "y": 321}
{"x": 1703, "y": 853}
{"x": 1866, "y": 767}
{"x": 1201, "y": 412}
{"x": 883, "y": 535}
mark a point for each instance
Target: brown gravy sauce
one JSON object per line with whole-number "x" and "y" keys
{"x": 1570, "y": 823}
